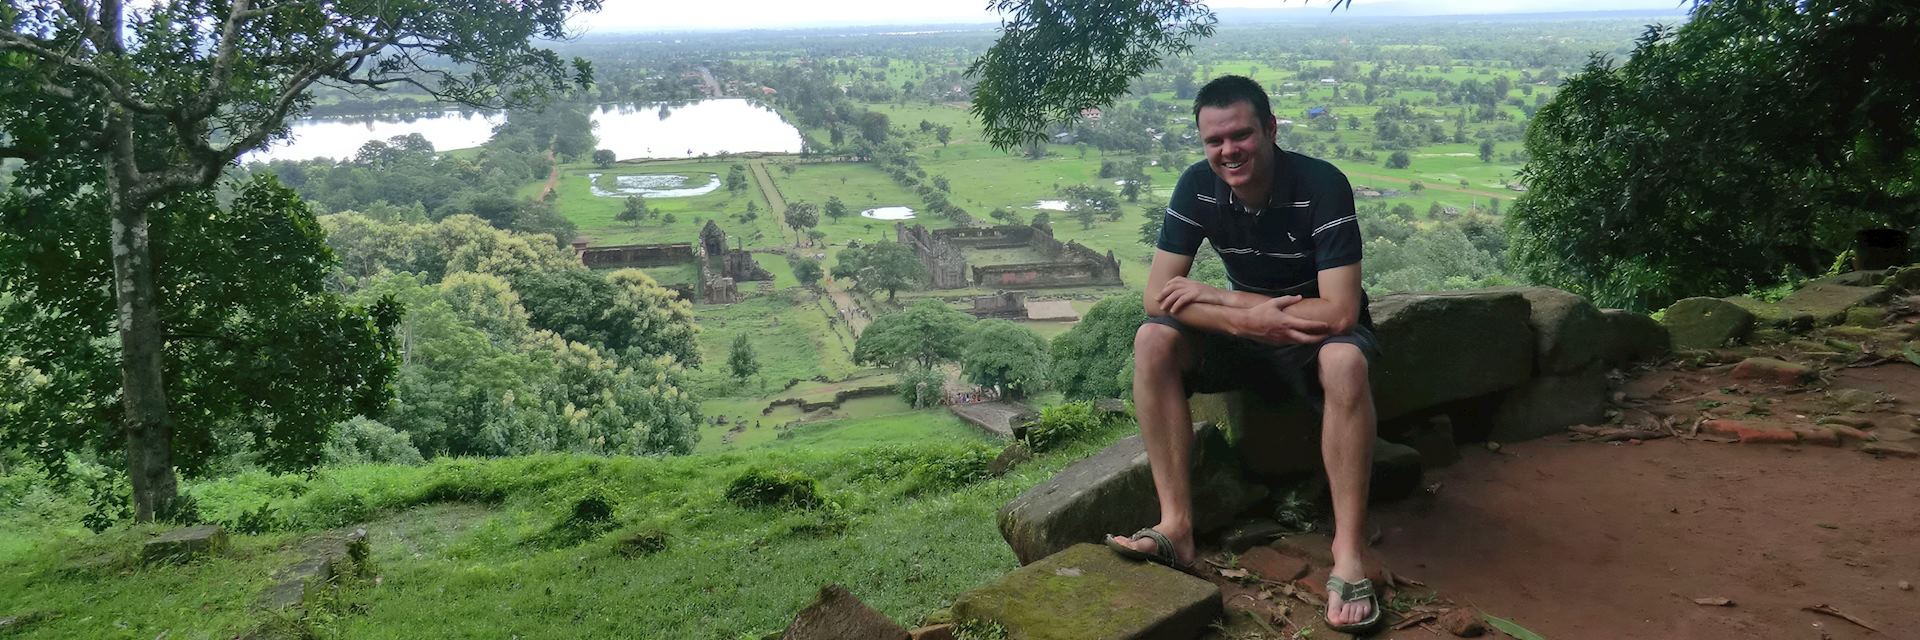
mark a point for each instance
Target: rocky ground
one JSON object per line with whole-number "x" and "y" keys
{"x": 1766, "y": 491}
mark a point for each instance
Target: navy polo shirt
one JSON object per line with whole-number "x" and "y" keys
{"x": 1308, "y": 225}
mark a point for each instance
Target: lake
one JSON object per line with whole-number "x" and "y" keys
{"x": 643, "y": 130}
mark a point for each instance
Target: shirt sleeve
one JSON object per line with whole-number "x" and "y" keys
{"x": 1179, "y": 230}
{"x": 1336, "y": 228}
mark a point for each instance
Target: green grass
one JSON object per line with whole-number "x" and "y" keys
{"x": 458, "y": 544}
{"x": 594, "y": 215}
{"x": 789, "y": 334}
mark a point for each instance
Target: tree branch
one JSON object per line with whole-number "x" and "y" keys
{"x": 10, "y": 41}
{"x": 222, "y": 63}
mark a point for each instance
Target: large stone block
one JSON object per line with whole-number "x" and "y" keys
{"x": 1828, "y": 303}
{"x": 1706, "y": 323}
{"x": 331, "y": 557}
{"x": 1112, "y": 492}
{"x": 836, "y": 615}
{"x": 1568, "y": 332}
{"x": 181, "y": 545}
{"x": 1633, "y": 337}
{"x": 1549, "y": 404}
{"x": 1088, "y": 592}
{"x": 1441, "y": 347}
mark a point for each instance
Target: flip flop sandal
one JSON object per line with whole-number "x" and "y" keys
{"x": 1162, "y": 548}
{"x": 1355, "y": 592}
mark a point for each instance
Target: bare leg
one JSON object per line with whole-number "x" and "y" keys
{"x": 1160, "y": 354}
{"x": 1346, "y": 445}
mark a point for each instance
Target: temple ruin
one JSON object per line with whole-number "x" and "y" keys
{"x": 719, "y": 268}
{"x": 1068, "y": 264}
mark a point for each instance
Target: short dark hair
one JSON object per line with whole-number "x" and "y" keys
{"x": 1226, "y": 90}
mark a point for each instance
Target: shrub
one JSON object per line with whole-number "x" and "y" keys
{"x": 920, "y": 386}
{"x": 1063, "y": 424}
{"x": 363, "y": 440}
{"x": 590, "y": 516}
{"x": 758, "y": 487}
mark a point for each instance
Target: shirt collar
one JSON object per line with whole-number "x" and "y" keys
{"x": 1279, "y": 190}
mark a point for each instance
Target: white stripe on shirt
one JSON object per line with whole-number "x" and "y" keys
{"x": 1182, "y": 218}
{"x": 1330, "y": 225}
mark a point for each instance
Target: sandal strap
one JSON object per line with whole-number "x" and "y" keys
{"x": 1350, "y": 591}
{"x": 1161, "y": 543}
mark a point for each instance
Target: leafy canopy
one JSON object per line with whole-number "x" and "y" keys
{"x": 1769, "y": 130}
{"x": 923, "y": 334}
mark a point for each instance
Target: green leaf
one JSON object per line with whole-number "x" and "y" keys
{"x": 1912, "y": 357}
{"x": 1511, "y": 628}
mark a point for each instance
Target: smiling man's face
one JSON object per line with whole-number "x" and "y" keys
{"x": 1239, "y": 147}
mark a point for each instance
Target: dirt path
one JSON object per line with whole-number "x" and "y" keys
{"x": 1585, "y": 540}
{"x": 843, "y": 300}
{"x": 1392, "y": 180}
{"x": 775, "y": 204}
{"x": 553, "y": 176}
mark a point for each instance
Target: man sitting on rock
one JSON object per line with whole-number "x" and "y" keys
{"x": 1294, "y": 319}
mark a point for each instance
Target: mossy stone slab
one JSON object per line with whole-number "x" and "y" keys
{"x": 1088, "y": 592}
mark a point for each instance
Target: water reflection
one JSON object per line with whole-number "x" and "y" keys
{"x": 631, "y": 131}
{"x": 653, "y": 185}
{"x": 888, "y": 213}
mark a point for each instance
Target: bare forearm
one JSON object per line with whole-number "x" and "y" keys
{"x": 1338, "y": 317}
{"x": 1219, "y": 319}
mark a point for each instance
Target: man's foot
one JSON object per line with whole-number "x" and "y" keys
{"x": 1349, "y": 566}
{"x": 1181, "y": 537}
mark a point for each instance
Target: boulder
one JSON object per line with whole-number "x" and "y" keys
{"x": 1772, "y": 371}
{"x": 1905, "y": 279}
{"x": 1014, "y": 455}
{"x": 1112, "y": 492}
{"x": 1706, "y": 323}
{"x": 1277, "y": 439}
{"x": 1856, "y": 278}
{"x": 1088, "y": 592}
{"x": 1568, "y": 332}
{"x": 330, "y": 557}
{"x": 1549, "y": 404}
{"x": 836, "y": 615}
{"x": 1396, "y": 472}
{"x": 1633, "y": 337}
{"x": 1828, "y": 303}
{"x": 1772, "y": 315}
{"x": 1434, "y": 440}
{"x": 1441, "y": 347}
{"x": 182, "y": 545}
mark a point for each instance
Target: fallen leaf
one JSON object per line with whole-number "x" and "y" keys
{"x": 1236, "y": 574}
{"x": 1828, "y": 610}
{"x": 1416, "y": 618}
{"x": 1511, "y": 628}
{"x": 1713, "y": 602}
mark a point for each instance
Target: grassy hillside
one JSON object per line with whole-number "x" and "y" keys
{"x": 485, "y": 548}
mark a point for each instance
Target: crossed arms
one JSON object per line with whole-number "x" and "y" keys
{"x": 1282, "y": 320}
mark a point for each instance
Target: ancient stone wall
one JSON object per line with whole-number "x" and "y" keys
{"x": 1004, "y": 236}
{"x": 1011, "y": 305}
{"x": 1077, "y": 266}
{"x": 635, "y": 255}
{"x": 946, "y": 266}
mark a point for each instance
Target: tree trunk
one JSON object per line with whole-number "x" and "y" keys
{"x": 143, "y": 396}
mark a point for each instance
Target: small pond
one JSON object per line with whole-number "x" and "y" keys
{"x": 652, "y": 185}
{"x": 888, "y": 213}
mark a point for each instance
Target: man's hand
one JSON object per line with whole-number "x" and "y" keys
{"x": 1181, "y": 291}
{"x": 1270, "y": 323}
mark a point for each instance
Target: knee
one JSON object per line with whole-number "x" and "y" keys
{"x": 1155, "y": 347}
{"x": 1343, "y": 372}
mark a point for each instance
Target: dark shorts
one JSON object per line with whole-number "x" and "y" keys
{"x": 1228, "y": 363}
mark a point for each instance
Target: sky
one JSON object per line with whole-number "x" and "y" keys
{"x": 619, "y": 16}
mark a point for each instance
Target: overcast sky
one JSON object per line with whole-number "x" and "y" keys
{"x": 655, "y": 15}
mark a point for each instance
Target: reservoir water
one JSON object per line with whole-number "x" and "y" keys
{"x": 641, "y": 130}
